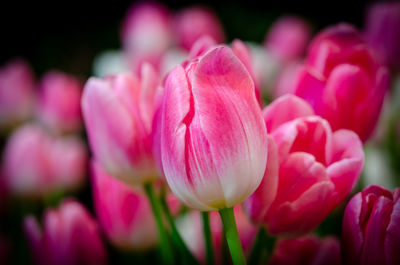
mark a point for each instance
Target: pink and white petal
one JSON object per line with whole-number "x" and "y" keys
{"x": 148, "y": 92}
{"x": 201, "y": 47}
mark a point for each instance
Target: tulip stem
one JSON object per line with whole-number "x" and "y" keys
{"x": 232, "y": 236}
{"x": 166, "y": 250}
{"x": 257, "y": 248}
{"x": 176, "y": 237}
{"x": 207, "y": 238}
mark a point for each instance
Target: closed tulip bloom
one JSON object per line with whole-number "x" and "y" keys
{"x": 343, "y": 81}
{"x": 193, "y": 23}
{"x": 382, "y": 31}
{"x": 59, "y": 102}
{"x": 213, "y": 138}
{"x": 308, "y": 250}
{"x": 16, "y": 92}
{"x": 371, "y": 227}
{"x": 315, "y": 169}
{"x": 124, "y": 213}
{"x": 118, "y": 113}
{"x": 288, "y": 38}
{"x": 69, "y": 235}
{"x": 37, "y": 163}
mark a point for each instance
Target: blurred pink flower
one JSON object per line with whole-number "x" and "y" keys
{"x": 193, "y": 23}
{"x": 213, "y": 138}
{"x": 308, "y": 250}
{"x": 371, "y": 227}
{"x": 288, "y": 38}
{"x": 69, "y": 235}
{"x": 315, "y": 169}
{"x": 118, "y": 112}
{"x": 59, "y": 102}
{"x": 343, "y": 81}
{"x": 17, "y": 86}
{"x": 286, "y": 79}
{"x": 37, "y": 163}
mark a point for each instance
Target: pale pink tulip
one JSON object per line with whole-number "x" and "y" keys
{"x": 213, "y": 137}
{"x": 118, "y": 112}
{"x": 125, "y": 214}
{"x": 37, "y": 163}
{"x": 16, "y": 93}
{"x": 315, "y": 169}
{"x": 59, "y": 102}
{"x": 286, "y": 79}
{"x": 69, "y": 235}
{"x": 343, "y": 81}
{"x": 195, "y": 22}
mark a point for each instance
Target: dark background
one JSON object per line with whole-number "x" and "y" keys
{"x": 66, "y": 35}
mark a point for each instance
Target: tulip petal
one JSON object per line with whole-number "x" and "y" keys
{"x": 392, "y": 240}
{"x": 201, "y": 46}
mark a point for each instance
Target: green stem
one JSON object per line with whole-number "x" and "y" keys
{"x": 208, "y": 238}
{"x": 176, "y": 237}
{"x": 232, "y": 236}
{"x": 166, "y": 250}
{"x": 257, "y": 248}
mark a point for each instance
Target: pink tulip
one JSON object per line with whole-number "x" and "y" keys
{"x": 342, "y": 80}
{"x": 59, "y": 102}
{"x": 286, "y": 79}
{"x": 146, "y": 34}
{"x": 36, "y": 163}
{"x": 16, "y": 92}
{"x": 383, "y": 31}
{"x": 69, "y": 235}
{"x": 288, "y": 38}
{"x": 308, "y": 250}
{"x": 124, "y": 214}
{"x": 315, "y": 169}
{"x": 118, "y": 112}
{"x": 191, "y": 228}
{"x": 193, "y": 23}
{"x": 213, "y": 138}
{"x": 371, "y": 227}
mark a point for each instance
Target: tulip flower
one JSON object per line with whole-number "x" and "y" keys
{"x": 36, "y": 163}
{"x": 118, "y": 113}
{"x": 288, "y": 38}
{"x": 59, "y": 102}
{"x": 146, "y": 34}
{"x": 308, "y": 250}
{"x": 371, "y": 227}
{"x": 124, "y": 213}
{"x": 286, "y": 79}
{"x": 69, "y": 235}
{"x": 16, "y": 93}
{"x": 193, "y": 23}
{"x": 383, "y": 32}
{"x": 315, "y": 169}
{"x": 343, "y": 81}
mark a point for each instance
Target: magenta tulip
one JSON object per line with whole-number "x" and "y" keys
{"x": 37, "y": 163}
{"x": 383, "y": 31}
{"x": 59, "y": 102}
{"x": 213, "y": 138}
{"x": 308, "y": 250}
{"x": 193, "y": 23}
{"x": 343, "y": 81}
{"x": 315, "y": 169}
{"x": 371, "y": 227}
{"x": 16, "y": 93}
{"x": 124, "y": 213}
{"x": 118, "y": 113}
{"x": 69, "y": 235}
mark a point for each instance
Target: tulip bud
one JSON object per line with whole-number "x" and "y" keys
{"x": 308, "y": 250}
{"x": 124, "y": 214}
{"x": 69, "y": 235}
{"x": 36, "y": 163}
{"x": 16, "y": 93}
{"x": 193, "y": 23}
{"x": 59, "y": 102}
{"x": 118, "y": 113}
{"x": 315, "y": 169}
{"x": 343, "y": 81}
{"x": 371, "y": 227}
{"x": 213, "y": 138}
